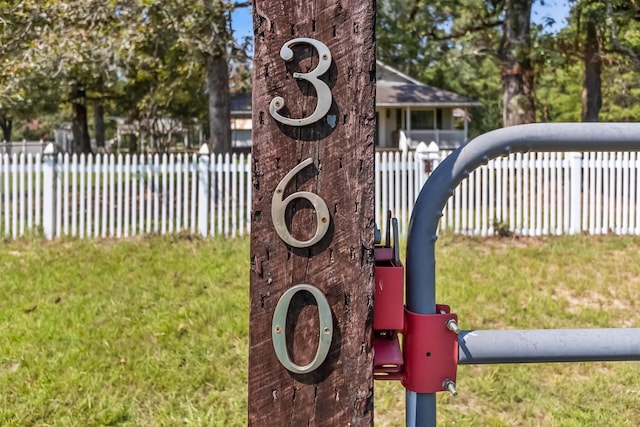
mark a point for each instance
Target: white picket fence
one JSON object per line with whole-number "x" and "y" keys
{"x": 529, "y": 194}
{"x": 119, "y": 196}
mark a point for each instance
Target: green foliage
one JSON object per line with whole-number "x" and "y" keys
{"x": 138, "y": 59}
{"x": 431, "y": 41}
{"x": 456, "y": 45}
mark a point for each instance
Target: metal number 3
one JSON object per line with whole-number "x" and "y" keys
{"x": 323, "y": 91}
{"x": 279, "y": 206}
{"x": 279, "y": 324}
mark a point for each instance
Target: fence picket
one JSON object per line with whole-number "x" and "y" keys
{"x": 162, "y": 195}
{"x": 30, "y": 194}
{"x": 625, "y": 194}
{"x": 249, "y": 192}
{"x": 632, "y": 193}
{"x": 545, "y": 193}
{"x": 225, "y": 192}
{"x": 172, "y": 207}
{"x": 37, "y": 179}
{"x": 127, "y": 195}
{"x": 81, "y": 198}
{"x": 241, "y": 200}
{"x": 96, "y": 195}
{"x": 232, "y": 166}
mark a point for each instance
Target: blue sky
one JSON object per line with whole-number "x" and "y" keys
{"x": 555, "y": 9}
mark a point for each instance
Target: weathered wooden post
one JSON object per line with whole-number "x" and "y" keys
{"x": 311, "y": 359}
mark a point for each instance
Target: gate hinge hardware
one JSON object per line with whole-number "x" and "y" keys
{"x": 428, "y": 359}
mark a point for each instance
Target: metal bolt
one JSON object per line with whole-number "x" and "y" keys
{"x": 452, "y": 325}
{"x": 451, "y": 386}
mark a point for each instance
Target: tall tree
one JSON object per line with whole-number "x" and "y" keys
{"x": 23, "y": 90}
{"x": 204, "y": 32}
{"x": 593, "y": 37}
{"x": 498, "y": 29}
{"x": 518, "y": 96}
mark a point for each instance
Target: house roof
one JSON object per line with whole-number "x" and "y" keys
{"x": 387, "y": 73}
{"x": 395, "y": 89}
{"x": 396, "y": 94}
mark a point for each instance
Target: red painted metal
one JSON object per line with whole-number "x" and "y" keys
{"x": 430, "y": 356}
{"x": 430, "y": 351}
{"x": 388, "y": 360}
{"x": 388, "y": 304}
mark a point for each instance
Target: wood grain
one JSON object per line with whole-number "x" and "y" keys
{"x": 340, "y": 392}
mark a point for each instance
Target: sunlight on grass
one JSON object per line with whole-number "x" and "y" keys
{"x": 144, "y": 332}
{"x": 154, "y": 331}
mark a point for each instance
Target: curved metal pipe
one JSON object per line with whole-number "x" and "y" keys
{"x": 421, "y": 262}
{"x": 439, "y": 187}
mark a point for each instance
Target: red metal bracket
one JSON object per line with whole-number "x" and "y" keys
{"x": 430, "y": 358}
{"x": 430, "y": 351}
{"x": 388, "y": 303}
{"x": 387, "y": 361}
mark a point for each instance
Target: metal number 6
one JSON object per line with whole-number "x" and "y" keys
{"x": 279, "y": 206}
{"x": 323, "y": 91}
{"x": 279, "y": 336}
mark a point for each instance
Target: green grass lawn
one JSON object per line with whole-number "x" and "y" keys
{"x": 154, "y": 331}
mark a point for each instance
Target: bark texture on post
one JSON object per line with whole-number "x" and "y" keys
{"x": 340, "y": 391}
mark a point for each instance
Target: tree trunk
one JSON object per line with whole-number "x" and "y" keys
{"x": 219, "y": 108}
{"x": 6, "y": 123}
{"x": 80, "y": 129}
{"x": 218, "y": 81}
{"x": 79, "y": 125}
{"x": 592, "y": 84}
{"x": 519, "y": 102}
{"x": 98, "y": 121}
{"x": 133, "y": 144}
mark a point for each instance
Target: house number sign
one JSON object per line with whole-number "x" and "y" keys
{"x": 323, "y": 91}
{"x": 279, "y": 206}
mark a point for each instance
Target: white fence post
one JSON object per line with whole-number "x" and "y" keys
{"x": 203, "y": 189}
{"x": 48, "y": 189}
{"x": 575, "y": 166}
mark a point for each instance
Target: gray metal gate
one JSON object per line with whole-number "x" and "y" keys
{"x": 508, "y": 346}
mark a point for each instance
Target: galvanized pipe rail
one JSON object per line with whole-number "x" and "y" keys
{"x": 421, "y": 281}
{"x": 548, "y": 345}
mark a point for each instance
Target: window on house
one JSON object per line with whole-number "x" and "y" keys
{"x": 422, "y": 119}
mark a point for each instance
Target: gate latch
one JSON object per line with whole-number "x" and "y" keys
{"x": 429, "y": 361}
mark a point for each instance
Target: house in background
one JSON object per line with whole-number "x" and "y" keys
{"x": 408, "y": 112}
{"x": 241, "y": 122}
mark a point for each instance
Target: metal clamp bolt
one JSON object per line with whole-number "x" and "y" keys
{"x": 452, "y": 325}
{"x": 451, "y": 386}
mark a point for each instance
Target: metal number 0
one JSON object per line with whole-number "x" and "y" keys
{"x": 279, "y": 206}
{"x": 278, "y": 327}
{"x": 323, "y": 91}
